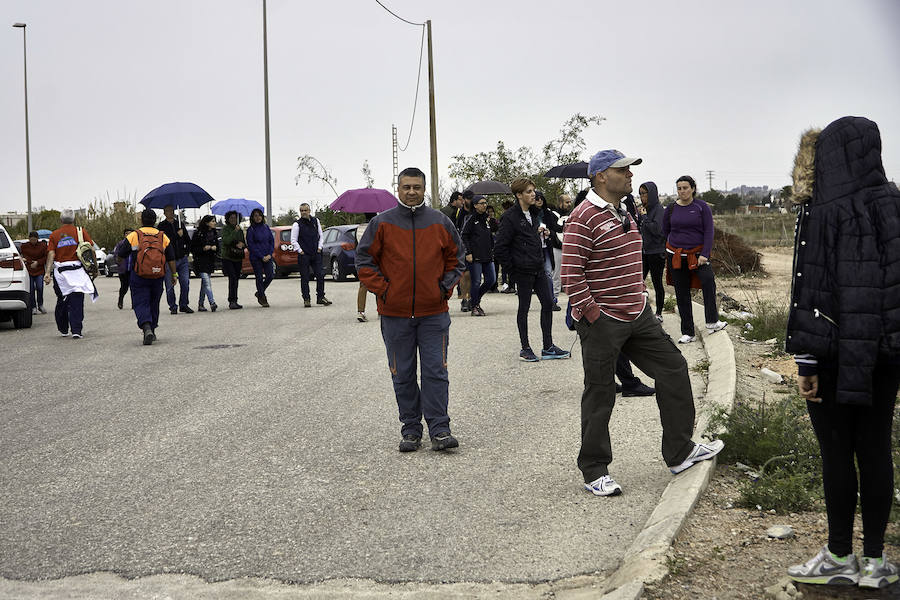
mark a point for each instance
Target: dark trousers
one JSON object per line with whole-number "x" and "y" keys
{"x": 863, "y": 433}
{"x": 479, "y": 288}
{"x": 540, "y": 284}
{"x": 264, "y": 273}
{"x": 36, "y": 290}
{"x": 655, "y": 264}
{"x": 232, "y": 270}
{"x": 69, "y": 311}
{"x": 626, "y": 376}
{"x": 429, "y": 336}
{"x": 312, "y": 262}
{"x": 145, "y": 297}
{"x": 124, "y": 278}
{"x": 655, "y": 354}
{"x": 184, "y": 283}
{"x": 682, "y": 280}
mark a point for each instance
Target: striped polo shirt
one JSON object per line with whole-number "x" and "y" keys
{"x": 601, "y": 263}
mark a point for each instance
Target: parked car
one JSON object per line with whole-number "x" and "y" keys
{"x": 14, "y": 284}
{"x": 339, "y": 250}
{"x": 285, "y": 256}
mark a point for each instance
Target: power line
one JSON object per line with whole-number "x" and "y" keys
{"x": 416, "y": 98}
{"x": 398, "y": 16}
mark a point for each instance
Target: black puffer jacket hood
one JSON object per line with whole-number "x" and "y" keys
{"x": 845, "y": 292}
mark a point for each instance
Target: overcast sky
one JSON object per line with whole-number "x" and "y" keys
{"x": 125, "y": 96}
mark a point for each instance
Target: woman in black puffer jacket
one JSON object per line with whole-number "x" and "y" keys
{"x": 844, "y": 328}
{"x": 204, "y": 246}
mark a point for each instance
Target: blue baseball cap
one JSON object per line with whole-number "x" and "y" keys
{"x": 610, "y": 158}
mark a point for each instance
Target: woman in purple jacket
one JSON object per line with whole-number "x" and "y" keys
{"x": 688, "y": 229}
{"x": 261, "y": 244}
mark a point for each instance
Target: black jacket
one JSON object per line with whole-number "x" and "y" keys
{"x": 518, "y": 245}
{"x": 652, "y": 223}
{"x": 845, "y": 291}
{"x": 477, "y": 238}
{"x": 205, "y": 260}
{"x": 181, "y": 244}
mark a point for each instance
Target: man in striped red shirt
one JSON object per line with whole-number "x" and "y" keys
{"x": 602, "y": 275}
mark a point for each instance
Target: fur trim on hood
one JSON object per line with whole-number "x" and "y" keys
{"x": 805, "y": 167}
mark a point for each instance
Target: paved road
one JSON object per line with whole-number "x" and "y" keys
{"x": 262, "y": 443}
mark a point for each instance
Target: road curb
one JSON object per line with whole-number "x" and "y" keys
{"x": 645, "y": 560}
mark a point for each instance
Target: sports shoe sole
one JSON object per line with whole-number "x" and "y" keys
{"x": 555, "y": 356}
{"x": 616, "y": 491}
{"x": 840, "y": 579}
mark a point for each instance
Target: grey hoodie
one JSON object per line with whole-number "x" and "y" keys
{"x": 652, "y": 225}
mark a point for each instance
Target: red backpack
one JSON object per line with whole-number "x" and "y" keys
{"x": 150, "y": 262}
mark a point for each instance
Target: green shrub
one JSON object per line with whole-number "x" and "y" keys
{"x": 670, "y": 304}
{"x": 776, "y": 440}
{"x": 769, "y": 321}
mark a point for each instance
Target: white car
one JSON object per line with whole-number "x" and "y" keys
{"x": 15, "y": 286}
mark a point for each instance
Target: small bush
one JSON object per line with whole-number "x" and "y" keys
{"x": 769, "y": 321}
{"x": 777, "y": 441}
{"x": 670, "y": 304}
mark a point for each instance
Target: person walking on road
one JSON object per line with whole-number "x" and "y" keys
{"x": 70, "y": 279}
{"x": 518, "y": 248}
{"x": 306, "y": 238}
{"x": 123, "y": 266}
{"x": 844, "y": 330}
{"x": 411, "y": 258}
{"x": 180, "y": 240}
{"x": 688, "y": 228}
{"x": 233, "y": 244}
{"x": 261, "y": 244}
{"x": 34, "y": 253}
{"x": 479, "y": 243}
{"x": 205, "y": 247}
{"x": 151, "y": 253}
{"x": 602, "y": 275}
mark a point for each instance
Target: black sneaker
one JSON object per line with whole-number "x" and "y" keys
{"x": 213, "y": 306}
{"x": 323, "y": 301}
{"x": 148, "y": 334}
{"x": 186, "y": 309}
{"x": 174, "y": 311}
{"x": 444, "y": 441}
{"x": 201, "y": 308}
{"x": 234, "y": 305}
{"x": 464, "y": 306}
{"x": 639, "y": 390}
{"x": 556, "y": 307}
{"x": 410, "y": 443}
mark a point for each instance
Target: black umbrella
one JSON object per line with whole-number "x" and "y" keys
{"x": 489, "y": 187}
{"x": 576, "y": 170}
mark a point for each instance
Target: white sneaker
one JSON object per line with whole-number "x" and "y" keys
{"x": 826, "y": 569}
{"x": 700, "y": 452}
{"x": 605, "y": 486}
{"x": 687, "y": 339}
{"x": 877, "y": 572}
{"x": 361, "y": 317}
{"x": 34, "y": 311}
{"x": 714, "y": 327}
{"x": 504, "y": 287}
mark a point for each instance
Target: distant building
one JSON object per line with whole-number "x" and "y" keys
{"x": 12, "y": 219}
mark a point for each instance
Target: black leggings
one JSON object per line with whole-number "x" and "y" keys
{"x": 864, "y": 432}
{"x": 540, "y": 284}
{"x": 655, "y": 264}
{"x": 682, "y": 280}
{"x": 123, "y": 284}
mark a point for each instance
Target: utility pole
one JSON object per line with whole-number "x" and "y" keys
{"x": 266, "y": 110}
{"x": 710, "y": 175}
{"x": 396, "y": 165}
{"x": 27, "y": 144}
{"x": 435, "y": 199}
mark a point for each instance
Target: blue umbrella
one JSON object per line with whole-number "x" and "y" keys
{"x": 242, "y": 205}
{"x": 178, "y": 194}
{"x": 44, "y": 233}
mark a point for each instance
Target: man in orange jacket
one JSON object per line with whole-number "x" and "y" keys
{"x": 411, "y": 258}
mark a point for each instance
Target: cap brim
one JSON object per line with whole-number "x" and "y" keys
{"x": 626, "y": 161}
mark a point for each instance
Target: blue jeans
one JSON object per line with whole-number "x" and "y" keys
{"x": 548, "y": 268}
{"x": 314, "y": 262}
{"x": 264, "y": 273}
{"x": 206, "y": 289}
{"x": 36, "y": 290}
{"x": 429, "y": 336}
{"x": 479, "y": 289}
{"x": 184, "y": 283}
{"x": 145, "y": 297}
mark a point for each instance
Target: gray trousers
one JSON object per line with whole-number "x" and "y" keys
{"x": 652, "y": 350}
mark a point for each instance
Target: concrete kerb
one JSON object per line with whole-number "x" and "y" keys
{"x": 645, "y": 559}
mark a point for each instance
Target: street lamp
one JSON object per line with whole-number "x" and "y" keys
{"x": 27, "y": 148}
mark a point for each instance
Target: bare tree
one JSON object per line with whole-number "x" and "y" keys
{"x": 367, "y": 173}
{"x": 308, "y": 166}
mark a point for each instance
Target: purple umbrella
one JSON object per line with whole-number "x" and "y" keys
{"x": 364, "y": 200}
